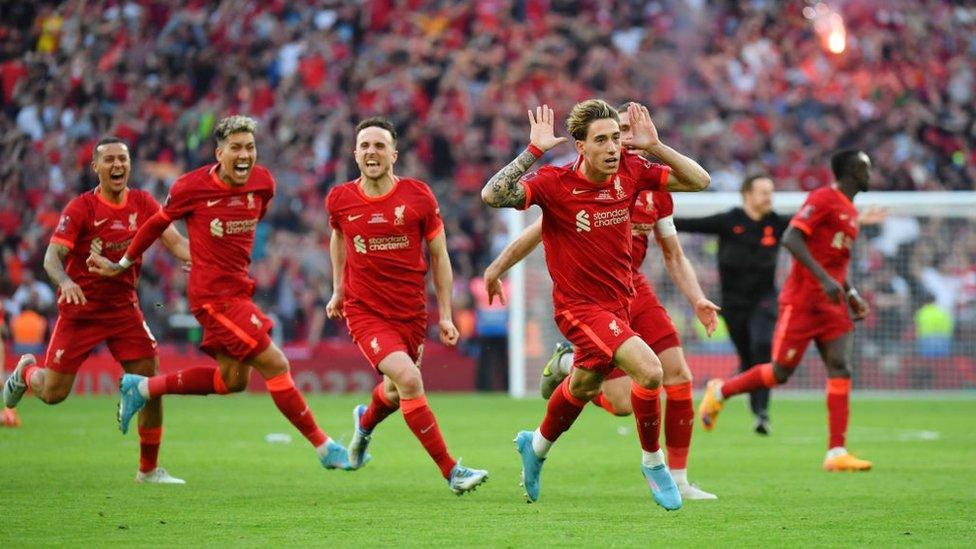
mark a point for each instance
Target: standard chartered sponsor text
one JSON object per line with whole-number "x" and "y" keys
{"x": 241, "y": 226}
{"x": 381, "y": 243}
{"x": 610, "y": 217}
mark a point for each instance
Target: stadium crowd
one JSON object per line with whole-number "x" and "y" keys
{"x": 740, "y": 86}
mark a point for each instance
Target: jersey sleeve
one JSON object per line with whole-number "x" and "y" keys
{"x": 811, "y": 214}
{"x": 330, "y": 207}
{"x": 538, "y": 186}
{"x": 650, "y": 176}
{"x": 74, "y": 218}
{"x": 180, "y": 202}
{"x": 431, "y": 222}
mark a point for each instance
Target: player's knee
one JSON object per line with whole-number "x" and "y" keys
{"x": 410, "y": 384}
{"x": 838, "y": 368}
{"x": 678, "y": 377}
{"x": 782, "y": 374}
{"x": 650, "y": 376}
{"x": 236, "y": 384}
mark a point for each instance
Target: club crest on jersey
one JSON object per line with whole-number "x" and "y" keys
{"x": 256, "y": 321}
{"x": 132, "y": 221}
{"x": 615, "y": 328}
{"x": 378, "y": 218}
{"x": 375, "y": 346}
{"x": 582, "y": 221}
{"x": 63, "y": 223}
{"x": 420, "y": 354}
{"x": 398, "y": 214}
{"x": 250, "y": 201}
{"x": 617, "y": 186}
{"x": 57, "y": 356}
{"x": 359, "y": 243}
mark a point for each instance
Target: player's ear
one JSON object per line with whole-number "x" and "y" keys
{"x": 579, "y": 146}
{"x": 393, "y": 157}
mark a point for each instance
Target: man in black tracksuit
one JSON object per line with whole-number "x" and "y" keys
{"x": 747, "y": 248}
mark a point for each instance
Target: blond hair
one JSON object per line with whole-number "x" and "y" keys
{"x": 585, "y": 113}
{"x": 234, "y": 124}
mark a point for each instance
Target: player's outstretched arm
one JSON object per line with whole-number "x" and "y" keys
{"x": 440, "y": 266}
{"x": 54, "y": 266}
{"x": 515, "y": 251}
{"x": 177, "y": 244}
{"x": 337, "y": 253}
{"x": 148, "y": 233}
{"x": 795, "y": 242}
{"x": 711, "y": 224}
{"x": 686, "y": 174}
{"x": 683, "y": 274}
{"x": 505, "y": 189}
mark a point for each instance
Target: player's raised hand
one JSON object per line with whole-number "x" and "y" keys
{"x": 449, "y": 332}
{"x": 333, "y": 308}
{"x": 833, "y": 289}
{"x": 858, "y": 306}
{"x": 494, "y": 288}
{"x": 645, "y": 133}
{"x": 71, "y": 293}
{"x": 707, "y": 313}
{"x": 542, "y": 132}
{"x": 102, "y": 265}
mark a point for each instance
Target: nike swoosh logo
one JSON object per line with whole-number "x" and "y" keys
{"x": 212, "y": 202}
{"x": 577, "y": 191}
{"x": 353, "y": 217}
{"x": 99, "y": 222}
{"x": 429, "y": 427}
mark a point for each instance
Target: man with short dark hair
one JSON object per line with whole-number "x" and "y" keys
{"x": 93, "y": 310}
{"x": 816, "y": 303}
{"x": 748, "y": 246}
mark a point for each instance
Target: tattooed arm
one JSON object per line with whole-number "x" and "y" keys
{"x": 54, "y": 265}
{"x": 505, "y": 189}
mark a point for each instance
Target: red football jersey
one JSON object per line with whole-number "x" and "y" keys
{"x": 384, "y": 235}
{"x": 586, "y": 229}
{"x": 829, "y": 221}
{"x": 90, "y": 223}
{"x": 220, "y": 222}
{"x": 649, "y": 208}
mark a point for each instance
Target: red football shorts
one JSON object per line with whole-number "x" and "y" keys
{"x": 651, "y": 322}
{"x": 377, "y": 337}
{"x": 595, "y": 333}
{"x": 797, "y": 326}
{"x": 236, "y": 328}
{"x": 127, "y": 337}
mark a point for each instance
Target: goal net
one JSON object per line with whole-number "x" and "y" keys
{"x": 917, "y": 269}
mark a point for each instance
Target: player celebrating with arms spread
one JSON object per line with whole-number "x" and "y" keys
{"x": 379, "y": 223}
{"x": 586, "y": 234}
{"x": 814, "y": 305}
{"x": 222, "y": 204}
{"x": 650, "y": 213}
{"x": 92, "y": 309}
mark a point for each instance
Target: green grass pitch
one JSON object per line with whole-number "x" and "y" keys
{"x": 67, "y": 479}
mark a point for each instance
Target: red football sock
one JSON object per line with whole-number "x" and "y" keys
{"x": 28, "y": 373}
{"x": 203, "y": 380}
{"x": 838, "y": 409}
{"x": 149, "y": 439}
{"x": 757, "y": 377}
{"x": 601, "y": 400}
{"x": 422, "y": 422}
{"x": 679, "y": 419}
{"x": 647, "y": 412}
{"x": 562, "y": 411}
{"x": 379, "y": 408}
{"x": 292, "y": 405}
